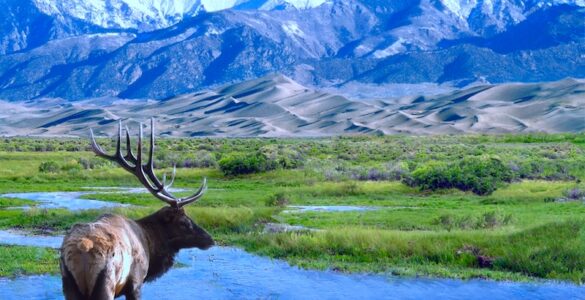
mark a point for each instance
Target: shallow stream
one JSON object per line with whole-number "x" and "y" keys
{"x": 231, "y": 273}
{"x": 67, "y": 200}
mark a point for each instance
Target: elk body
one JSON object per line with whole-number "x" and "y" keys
{"x": 114, "y": 255}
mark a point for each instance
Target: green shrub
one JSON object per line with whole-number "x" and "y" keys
{"x": 479, "y": 174}
{"x": 278, "y": 156}
{"x": 350, "y": 188}
{"x": 70, "y": 165}
{"x": 270, "y": 157}
{"x": 432, "y": 176}
{"x": 49, "y": 167}
{"x": 200, "y": 159}
{"x": 279, "y": 199}
{"x": 93, "y": 163}
{"x": 240, "y": 163}
{"x": 446, "y": 221}
{"x": 487, "y": 220}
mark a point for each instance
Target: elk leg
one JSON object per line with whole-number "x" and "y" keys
{"x": 132, "y": 290}
{"x": 103, "y": 289}
{"x": 70, "y": 289}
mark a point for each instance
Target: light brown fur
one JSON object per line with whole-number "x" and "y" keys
{"x": 85, "y": 245}
{"x": 109, "y": 243}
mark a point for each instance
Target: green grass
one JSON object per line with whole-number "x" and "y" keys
{"x": 11, "y": 202}
{"x": 552, "y": 251}
{"x": 415, "y": 232}
{"x": 17, "y": 260}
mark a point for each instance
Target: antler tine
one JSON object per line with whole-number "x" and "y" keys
{"x": 168, "y": 186}
{"x": 149, "y": 167}
{"x": 96, "y": 148}
{"x": 157, "y": 190}
{"x": 139, "y": 170}
{"x": 139, "y": 146}
{"x": 184, "y": 201}
{"x": 119, "y": 142}
{"x": 129, "y": 155}
{"x": 150, "y": 163}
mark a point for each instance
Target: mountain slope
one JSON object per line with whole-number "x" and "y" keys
{"x": 277, "y": 106}
{"x": 324, "y": 44}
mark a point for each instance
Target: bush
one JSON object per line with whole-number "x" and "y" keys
{"x": 267, "y": 158}
{"x": 239, "y": 164}
{"x": 49, "y": 167}
{"x": 368, "y": 174}
{"x": 487, "y": 220}
{"x": 278, "y": 156}
{"x": 479, "y": 174}
{"x": 71, "y": 165}
{"x": 201, "y": 159}
{"x": 279, "y": 199}
{"x": 93, "y": 163}
{"x": 575, "y": 194}
{"x": 397, "y": 170}
{"x": 350, "y": 188}
{"x": 432, "y": 176}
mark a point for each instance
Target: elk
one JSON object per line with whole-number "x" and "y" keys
{"x": 114, "y": 255}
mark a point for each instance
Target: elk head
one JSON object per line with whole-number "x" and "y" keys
{"x": 175, "y": 228}
{"x": 180, "y": 230}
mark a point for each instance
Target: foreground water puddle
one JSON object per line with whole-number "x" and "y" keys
{"x": 22, "y": 238}
{"x": 231, "y": 273}
{"x": 280, "y": 227}
{"x": 123, "y": 190}
{"x": 67, "y": 200}
{"x": 75, "y": 200}
{"x": 327, "y": 208}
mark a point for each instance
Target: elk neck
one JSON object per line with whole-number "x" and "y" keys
{"x": 161, "y": 253}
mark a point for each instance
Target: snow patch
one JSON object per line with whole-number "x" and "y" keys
{"x": 395, "y": 48}
{"x": 292, "y": 29}
{"x": 217, "y": 5}
{"x": 122, "y": 13}
{"x": 299, "y": 4}
{"x": 362, "y": 50}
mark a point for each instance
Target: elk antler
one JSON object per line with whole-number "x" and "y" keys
{"x": 145, "y": 173}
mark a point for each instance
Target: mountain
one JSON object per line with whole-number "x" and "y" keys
{"x": 26, "y": 24}
{"x": 123, "y": 14}
{"x": 277, "y": 106}
{"x": 157, "y": 49}
{"x": 145, "y": 15}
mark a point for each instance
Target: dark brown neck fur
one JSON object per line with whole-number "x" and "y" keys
{"x": 161, "y": 253}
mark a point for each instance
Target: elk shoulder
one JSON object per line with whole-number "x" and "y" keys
{"x": 108, "y": 245}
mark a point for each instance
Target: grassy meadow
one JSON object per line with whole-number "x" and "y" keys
{"x": 507, "y": 207}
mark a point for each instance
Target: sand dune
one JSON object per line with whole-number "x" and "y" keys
{"x": 277, "y": 106}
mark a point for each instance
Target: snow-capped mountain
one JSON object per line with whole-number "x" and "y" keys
{"x": 139, "y": 14}
{"x": 153, "y": 14}
{"x": 81, "y": 49}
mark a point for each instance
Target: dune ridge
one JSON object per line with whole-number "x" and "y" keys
{"x": 275, "y": 106}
